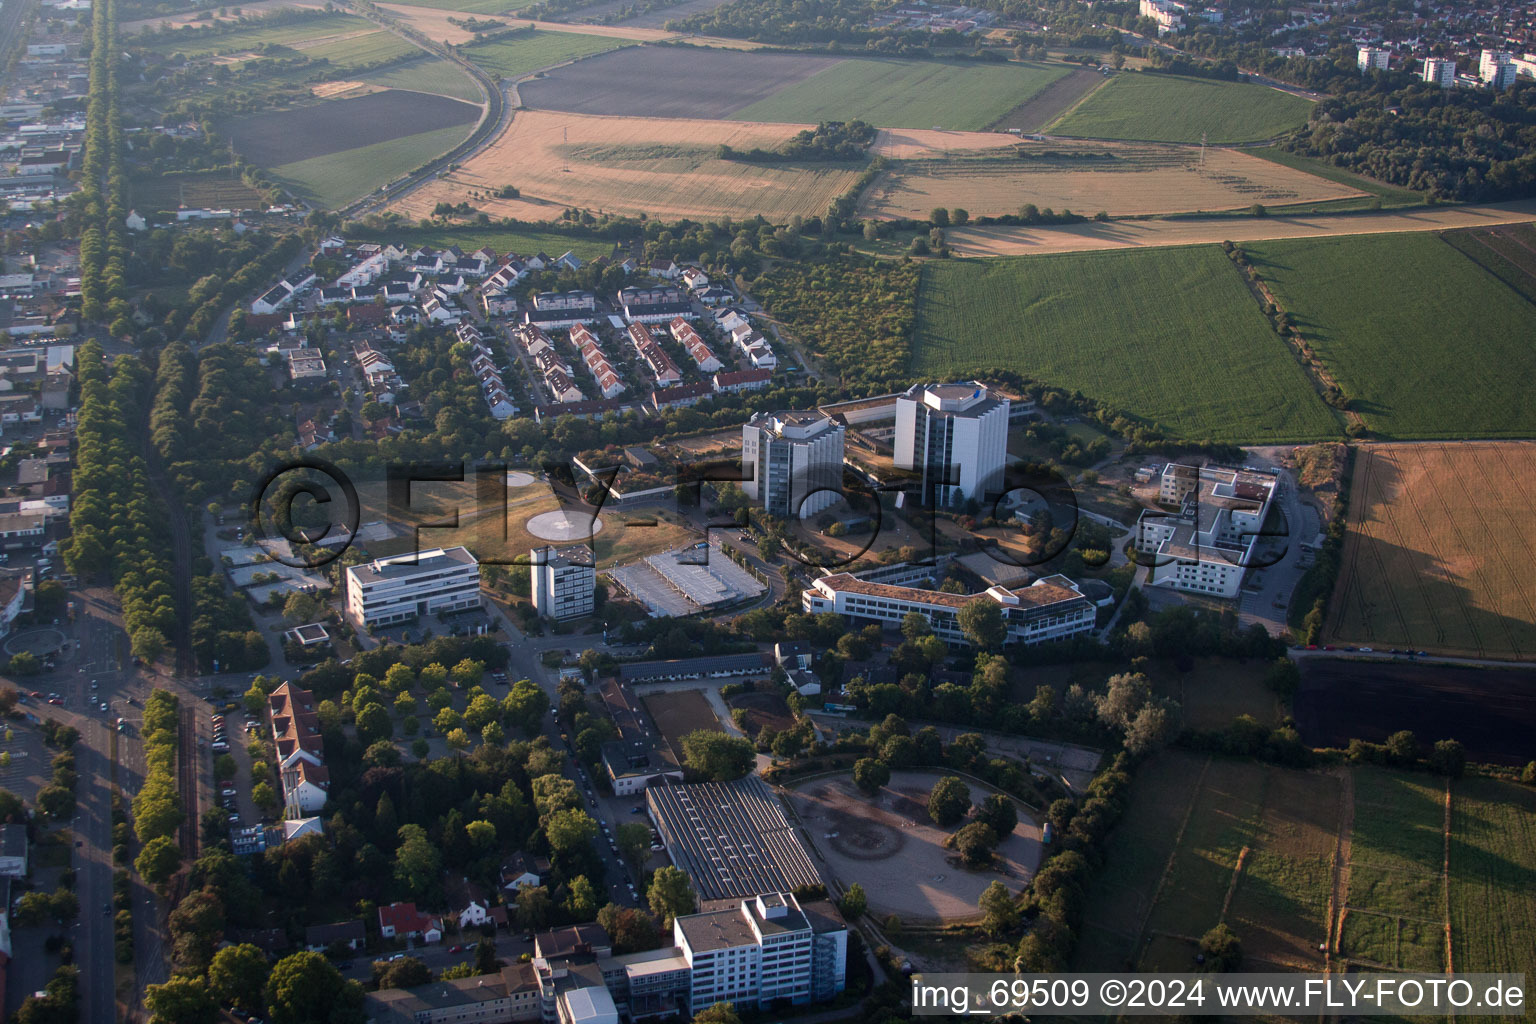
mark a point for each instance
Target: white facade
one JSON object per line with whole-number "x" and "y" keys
{"x": 765, "y": 949}
{"x": 1051, "y": 608}
{"x": 398, "y": 589}
{"x": 792, "y": 462}
{"x": 956, "y": 437}
{"x": 1207, "y": 546}
{"x": 1439, "y": 71}
{"x": 563, "y": 582}
{"x": 1371, "y": 58}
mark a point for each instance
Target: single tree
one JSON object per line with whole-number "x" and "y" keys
{"x": 1000, "y": 913}
{"x": 870, "y": 775}
{"x": 948, "y": 801}
{"x": 670, "y": 894}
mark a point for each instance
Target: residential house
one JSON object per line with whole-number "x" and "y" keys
{"x": 404, "y": 921}
{"x": 320, "y": 937}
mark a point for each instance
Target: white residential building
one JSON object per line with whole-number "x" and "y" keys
{"x": 1371, "y": 58}
{"x": 1208, "y": 545}
{"x": 956, "y": 437}
{"x": 1051, "y": 608}
{"x": 1439, "y": 71}
{"x": 301, "y": 766}
{"x": 1169, "y": 16}
{"x": 564, "y": 581}
{"x": 792, "y": 462}
{"x": 401, "y": 588}
{"x": 1497, "y": 68}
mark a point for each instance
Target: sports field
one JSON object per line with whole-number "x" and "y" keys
{"x": 1441, "y": 550}
{"x": 659, "y": 167}
{"x": 1123, "y": 179}
{"x": 512, "y": 58}
{"x": 1393, "y": 910}
{"x": 1428, "y": 343}
{"x": 1147, "y": 332}
{"x": 1168, "y": 108}
{"x": 906, "y": 94}
{"x": 335, "y": 179}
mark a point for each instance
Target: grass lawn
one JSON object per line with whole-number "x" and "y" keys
{"x": 1225, "y": 819}
{"x": 1144, "y": 331}
{"x": 1493, "y": 861}
{"x": 1135, "y": 857}
{"x": 435, "y": 76}
{"x": 336, "y": 179}
{"x": 906, "y": 94}
{"x": 1168, "y": 108}
{"x": 246, "y": 37}
{"x": 1396, "y": 850}
{"x": 1428, "y": 343}
{"x": 360, "y": 50}
{"x": 522, "y": 54}
{"x": 521, "y": 241}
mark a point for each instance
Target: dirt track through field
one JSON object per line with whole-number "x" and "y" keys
{"x": 1020, "y": 241}
{"x": 1051, "y": 102}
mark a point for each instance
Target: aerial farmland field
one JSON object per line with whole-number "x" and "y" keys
{"x": 1122, "y": 179}
{"x": 1426, "y": 566}
{"x": 288, "y": 136}
{"x": 1133, "y": 329}
{"x": 523, "y": 53}
{"x": 233, "y": 37}
{"x": 1508, "y": 252}
{"x": 430, "y": 75}
{"x": 906, "y": 93}
{"x": 1427, "y": 343}
{"x": 335, "y": 179}
{"x": 1168, "y": 108}
{"x": 356, "y": 51}
{"x": 659, "y": 167}
{"x": 713, "y": 83}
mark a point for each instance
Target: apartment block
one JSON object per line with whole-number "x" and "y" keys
{"x": 398, "y": 589}
{"x": 792, "y": 462}
{"x": 1371, "y": 58}
{"x": 564, "y": 581}
{"x": 956, "y": 437}
{"x": 305, "y": 779}
{"x": 1439, "y": 71}
{"x": 1207, "y": 546}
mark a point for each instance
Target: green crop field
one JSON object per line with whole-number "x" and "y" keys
{"x": 524, "y": 53}
{"x": 433, "y": 75}
{"x": 245, "y": 37}
{"x": 338, "y": 178}
{"x": 1493, "y": 863}
{"x": 1168, "y": 108}
{"x": 1426, "y": 342}
{"x": 906, "y": 94}
{"x": 1172, "y": 336}
{"x": 1508, "y": 252}
{"x": 361, "y": 50}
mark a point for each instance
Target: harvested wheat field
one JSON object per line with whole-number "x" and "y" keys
{"x": 1442, "y": 554}
{"x": 1123, "y": 180}
{"x": 1137, "y": 234}
{"x": 935, "y": 143}
{"x": 633, "y": 165}
{"x": 434, "y": 24}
